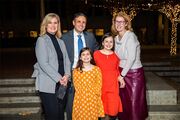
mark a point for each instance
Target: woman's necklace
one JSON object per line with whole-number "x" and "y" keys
{"x": 106, "y": 53}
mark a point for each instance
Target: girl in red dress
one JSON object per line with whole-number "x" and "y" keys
{"x": 108, "y": 62}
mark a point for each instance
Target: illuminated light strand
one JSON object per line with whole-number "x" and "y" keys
{"x": 169, "y": 9}
{"x": 172, "y": 13}
{"x": 132, "y": 11}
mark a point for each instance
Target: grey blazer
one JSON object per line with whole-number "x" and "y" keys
{"x": 46, "y": 68}
{"x": 68, "y": 39}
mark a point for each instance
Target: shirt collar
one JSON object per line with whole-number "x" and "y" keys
{"x": 75, "y": 33}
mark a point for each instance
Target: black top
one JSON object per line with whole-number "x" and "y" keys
{"x": 59, "y": 53}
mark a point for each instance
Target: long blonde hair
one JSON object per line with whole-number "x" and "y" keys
{"x": 126, "y": 18}
{"x": 46, "y": 21}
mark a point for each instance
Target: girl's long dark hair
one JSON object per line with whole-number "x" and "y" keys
{"x": 80, "y": 62}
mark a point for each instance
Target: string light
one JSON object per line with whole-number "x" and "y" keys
{"x": 171, "y": 8}
{"x": 131, "y": 12}
{"x": 172, "y": 13}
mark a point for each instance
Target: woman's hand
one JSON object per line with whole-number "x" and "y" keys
{"x": 64, "y": 80}
{"x": 121, "y": 81}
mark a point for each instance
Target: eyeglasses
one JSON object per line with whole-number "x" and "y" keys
{"x": 119, "y": 22}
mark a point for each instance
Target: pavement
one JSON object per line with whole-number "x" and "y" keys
{"x": 18, "y": 62}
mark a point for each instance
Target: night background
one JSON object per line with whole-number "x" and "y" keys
{"x": 153, "y": 21}
{"x": 20, "y": 23}
{"x": 20, "y": 19}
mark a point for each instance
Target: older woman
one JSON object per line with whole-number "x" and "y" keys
{"x": 127, "y": 48}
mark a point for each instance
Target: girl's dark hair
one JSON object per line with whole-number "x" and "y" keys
{"x": 106, "y": 35}
{"x": 80, "y": 62}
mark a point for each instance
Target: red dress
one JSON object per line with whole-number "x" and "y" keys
{"x": 110, "y": 87}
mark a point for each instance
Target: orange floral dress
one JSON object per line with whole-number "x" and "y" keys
{"x": 110, "y": 87}
{"x": 87, "y": 103}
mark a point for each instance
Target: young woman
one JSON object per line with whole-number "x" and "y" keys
{"x": 108, "y": 62}
{"x": 87, "y": 80}
{"x": 127, "y": 48}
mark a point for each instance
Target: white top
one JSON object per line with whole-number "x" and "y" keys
{"x": 128, "y": 50}
{"x": 76, "y": 46}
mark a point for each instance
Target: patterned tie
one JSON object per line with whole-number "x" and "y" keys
{"x": 80, "y": 43}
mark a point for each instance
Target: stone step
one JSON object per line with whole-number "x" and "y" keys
{"x": 13, "y": 90}
{"x": 17, "y": 82}
{"x": 20, "y": 105}
{"x": 26, "y": 113}
{"x": 19, "y": 94}
{"x": 22, "y": 99}
{"x": 156, "y": 64}
{"x": 164, "y": 112}
{"x": 33, "y": 116}
{"x": 168, "y": 73}
{"x": 19, "y": 100}
{"x": 156, "y": 112}
{"x": 159, "y": 92}
{"x": 160, "y": 68}
{"x": 20, "y": 111}
{"x": 161, "y": 97}
{"x": 176, "y": 79}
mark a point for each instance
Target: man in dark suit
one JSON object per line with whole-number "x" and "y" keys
{"x": 71, "y": 41}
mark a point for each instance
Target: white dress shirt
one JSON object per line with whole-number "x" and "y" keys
{"x": 76, "y": 54}
{"x": 128, "y": 50}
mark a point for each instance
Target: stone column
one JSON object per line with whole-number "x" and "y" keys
{"x": 160, "y": 30}
{"x": 42, "y": 9}
{"x": 166, "y": 32}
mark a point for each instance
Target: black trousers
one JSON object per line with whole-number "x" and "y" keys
{"x": 53, "y": 107}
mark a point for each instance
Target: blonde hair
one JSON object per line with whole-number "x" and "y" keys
{"x": 46, "y": 21}
{"x": 126, "y": 18}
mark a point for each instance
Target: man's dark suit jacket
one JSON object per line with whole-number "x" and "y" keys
{"x": 68, "y": 39}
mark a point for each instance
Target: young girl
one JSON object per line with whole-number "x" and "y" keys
{"x": 108, "y": 62}
{"x": 87, "y": 83}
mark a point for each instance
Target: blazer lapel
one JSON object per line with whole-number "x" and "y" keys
{"x": 70, "y": 46}
{"x": 86, "y": 39}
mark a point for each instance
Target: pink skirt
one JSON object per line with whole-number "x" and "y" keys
{"x": 133, "y": 96}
